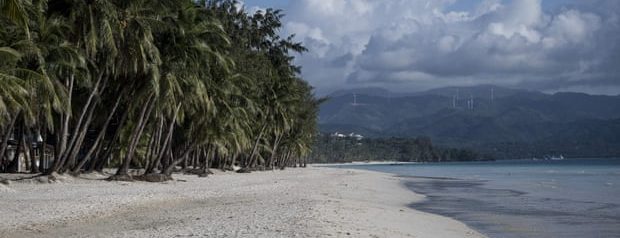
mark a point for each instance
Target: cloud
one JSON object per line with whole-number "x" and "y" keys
{"x": 416, "y": 44}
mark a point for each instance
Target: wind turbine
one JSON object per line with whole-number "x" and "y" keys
{"x": 355, "y": 104}
{"x": 453, "y": 101}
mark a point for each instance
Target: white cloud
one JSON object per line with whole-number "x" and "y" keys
{"x": 573, "y": 27}
{"x": 420, "y": 44}
{"x": 448, "y": 44}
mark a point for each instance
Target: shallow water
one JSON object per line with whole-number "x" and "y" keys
{"x": 568, "y": 198}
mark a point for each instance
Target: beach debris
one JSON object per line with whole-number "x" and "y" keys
{"x": 4, "y": 188}
{"x": 243, "y": 170}
{"x": 154, "y": 177}
{"x": 120, "y": 177}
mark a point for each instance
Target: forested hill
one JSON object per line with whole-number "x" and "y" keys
{"x": 506, "y": 123}
{"x": 339, "y": 148}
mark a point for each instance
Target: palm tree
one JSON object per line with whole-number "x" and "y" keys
{"x": 13, "y": 96}
{"x": 16, "y": 12}
{"x": 40, "y": 49}
{"x": 153, "y": 84}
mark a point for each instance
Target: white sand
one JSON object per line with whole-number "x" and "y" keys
{"x": 372, "y": 162}
{"x": 310, "y": 202}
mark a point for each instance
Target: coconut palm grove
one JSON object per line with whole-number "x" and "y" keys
{"x": 149, "y": 86}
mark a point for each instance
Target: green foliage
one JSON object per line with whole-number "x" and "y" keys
{"x": 150, "y": 84}
{"x": 331, "y": 149}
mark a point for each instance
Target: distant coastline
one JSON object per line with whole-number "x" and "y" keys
{"x": 370, "y": 162}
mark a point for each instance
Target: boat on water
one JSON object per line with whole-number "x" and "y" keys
{"x": 554, "y": 157}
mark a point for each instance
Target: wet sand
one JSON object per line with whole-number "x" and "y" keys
{"x": 504, "y": 212}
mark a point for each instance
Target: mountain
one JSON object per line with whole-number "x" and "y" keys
{"x": 479, "y": 91}
{"x": 370, "y": 91}
{"x": 508, "y": 123}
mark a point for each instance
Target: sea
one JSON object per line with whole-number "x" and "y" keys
{"x": 520, "y": 198}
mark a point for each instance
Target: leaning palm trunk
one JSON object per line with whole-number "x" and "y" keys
{"x": 207, "y": 153}
{"x": 168, "y": 170}
{"x": 167, "y": 139}
{"x": 135, "y": 137}
{"x": 64, "y": 128}
{"x": 285, "y": 160}
{"x": 86, "y": 109}
{"x": 75, "y": 148}
{"x": 81, "y": 128}
{"x": 252, "y": 157}
{"x": 66, "y": 149}
{"x": 152, "y": 143}
{"x": 109, "y": 148}
{"x": 274, "y": 149}
{"x": 102, "y": 132}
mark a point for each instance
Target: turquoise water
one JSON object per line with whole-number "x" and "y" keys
{"x": 567, "y": 198}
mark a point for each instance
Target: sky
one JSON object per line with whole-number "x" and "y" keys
{"x": 415, "y": 45}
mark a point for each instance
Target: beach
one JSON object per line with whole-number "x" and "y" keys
{"x": 296, "y": 202}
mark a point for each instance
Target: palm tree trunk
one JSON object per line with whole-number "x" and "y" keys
{"x": 222, "y": 160}
{"x": 71, "y": 156}
{"x": 27, "y": 157}
{"x": 77, "y": 138}
{"x": 7, "y": 135}
{"x": 135, "y": 137}
{"x": 64, "y": 134}
{"x": 207, "y": 153}
{"x": 233, "y": 160}
{"x": 102, "y": 160}
{"x": 184, "y": 165}
{"x": 276, "y": 143}
{"x": 255, "y": 147}
{"x": 168, "y": 170}
{"x": 14, "y": 165}
{"x": 93, "y": 164}
{"x": 86, "y": 109}
{"x": 102, "y": 132}
{"x": 158, "y": 146}
{"x": 285, "y": 160}
{"x": 99, "y": 163}
{"x": 167, "y": 139}
{"x": 148, "y": 156}
{"x": 34, "y": 168}
{"x": 42, "y": 150}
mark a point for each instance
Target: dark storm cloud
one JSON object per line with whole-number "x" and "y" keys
{"x": 342, "y": 61}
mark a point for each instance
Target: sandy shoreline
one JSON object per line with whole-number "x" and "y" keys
{"x": 310, "y": 202}
{"x": 366, "y": 163}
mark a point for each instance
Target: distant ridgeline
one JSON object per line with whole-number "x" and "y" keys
{"x": 339, "y": 148}
{"x": 504, "y": 123}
